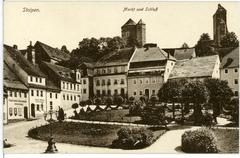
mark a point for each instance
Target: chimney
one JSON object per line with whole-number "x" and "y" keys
{"x": 15, "y": 47}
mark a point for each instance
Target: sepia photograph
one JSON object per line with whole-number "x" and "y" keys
{"x": 120, "y": 77}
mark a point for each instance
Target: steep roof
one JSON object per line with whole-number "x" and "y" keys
{"x": 129, "y": 22}
{"x": 10, "y": 80}
{"x": 116, "y": 57}
{"x": 53, "y": 53}
{"x": 150, "y": 54}
{"x": 181, "y": 54}
{"x": 27, "y": 66}
{"x": 195, "y": 67}
{"x": 140, "y": 22}
{"x": 231, "y": 59}
{"x": 62, "y": 72}
{"x": 224, "y": 51}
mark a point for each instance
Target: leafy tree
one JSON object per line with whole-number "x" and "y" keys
{"x": 196, "y": 92}
{"x": 153, "y": 100}
{"x": 185, "y": 45}
{"x": 230, "y": 40}
{"x": 108, "y": 101}
{"x": 64, "y": 49}
{"x": 82, "y": 103}
{"x": 118, "y": 100}
{"x": 75, "y": 106}
{"x": 219, "y": 95}
{"x": 203, "y": 46}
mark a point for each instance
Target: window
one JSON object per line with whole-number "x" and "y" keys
{"x": 15, "y": 94}
{"x": 70, "y": 86}
{"x": 56, "y": 95}
{"x": 147, "y": 81}
{"x": 98, "y": 83}
{"x": 140, "y": 92}
{"x": 31, "y": 78}
{"x": 134, "y": 82}
{"x": 40, "y": 80}
{"x": 32, "y": 93}
{"x": 36, "y": 79}
{"x": 103, "y": 92}
{"x": 98, "y": 71}
{"x": 103, "y": 71}
{"x": 71, "y": 97}
{"x": 115, "y": 91}
{"x": 153, "y": 91}
{"x": 135, "y": 93}
{"x": 98, "y": 92}
{"x": 84, "y": 91}
{"x": 140, "y": 81}
{"x": 63, "y": 85}
{"x": 15, "y": 111}
{"x": 153, "y": 80}
{"x": 74, "y": 97}
{"x": 42, "y": 107}
{"x": 122, "y": 69}
{"x": 10, "y": 93}
{"x": 115, "y": 70}
{"x": 20, "y": 94}
{"x": 19, "y": 111}
{"x": 109, "y": 82}
{"x": 37, "y": 92}
{"x": 109, "y": 92}
{"x": 78, "y": 87}
{"x": 235, "y": 70}
{"x": 50, "y": 102}
{"x": 50, "y": 95}
{"x": 109, "y": 70}
{"x": 38, "y": 107}
{"x": 63, "y": 96}
{"x": 84, "y": 81}
{"x": 122, "y": 81}
{"x": 67, "y": 97}
{"x": 41, "y": 93}
{"x": 172, "y": 63}
{"x": 103, "y": 82}
{"x": 25, "y": 95}
{"x": 236, "y": 93}
{"x": 226, "y": 71}
{"x": 67, "y": 85}
{"x": 115, "y": 81}
{"x": 236, "y": 81}
{"x": 10, "y": 112}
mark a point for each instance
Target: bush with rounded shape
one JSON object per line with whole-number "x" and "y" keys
{"x": 118, "y": 100}
{"x": 82, "y": 103}
{"x": 201, "y": 140}
{"x": 133, "y": 138}
{"x": 98, "y": 101}
{"x": 75, "y": 106}
{"x": 89, "y": 102}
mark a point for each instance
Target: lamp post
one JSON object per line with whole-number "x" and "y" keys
{"x": 51, "y": 143}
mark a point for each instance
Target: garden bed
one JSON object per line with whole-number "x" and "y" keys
{"x": 82, "y": 133}
{"x": 227, "y": 140}
{"x": 109, "y": 116}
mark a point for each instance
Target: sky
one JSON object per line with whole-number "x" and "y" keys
{"x": 67, "y": 23}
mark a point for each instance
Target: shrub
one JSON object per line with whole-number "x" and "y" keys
{"x": 118, "y": 100}
{"x": 201, "y": 140}
{"x": 75, "y": 106}
{"x": 82, "y": 103}
{"x": 133, "y": 138}
{"x": 207, "y": 119}
{"x": 89, "y": 102}
{"x": 136, "y": 108}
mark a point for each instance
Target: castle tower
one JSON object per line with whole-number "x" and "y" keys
{"x": 140, "y": 33}
{"x": 219, "y": 25}
{"x": 129, "y": 32}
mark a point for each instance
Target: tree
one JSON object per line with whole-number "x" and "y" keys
{"x": 185, "y": 45}
{"x": 219, "y": 95}
{"x": 118, "y": 100}
{"x": 64, "y": 49}
{"x": 196, "y": 92}
{"x": 98, "y": 101}
{"x": 203, "y": 46}
{"x": 108, "y": 102}
{"x": 153, "y": 100}
{"x": 230, "y": 40}
{"x": 75, "y": 106}
{"x": 60, "y": 114}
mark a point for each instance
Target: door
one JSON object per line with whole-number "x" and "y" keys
{"x": 25, "y": 112}
{"x": 147, "y": 92}
{"x": 33, "y": 110}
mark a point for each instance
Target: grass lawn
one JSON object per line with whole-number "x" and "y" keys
{"x": 82, "y": 134}
{"x": 228, "y": 140}
{"x": 110, "y": 115}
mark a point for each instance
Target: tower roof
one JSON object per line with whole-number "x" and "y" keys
{"x": 129, "y": 22}
{"x": 140, "y": 22}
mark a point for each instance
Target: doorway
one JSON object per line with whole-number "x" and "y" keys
{"x": 25, "y": 112}
{"x": 33, "y": 110}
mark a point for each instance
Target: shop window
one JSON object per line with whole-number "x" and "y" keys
{"x": 15, "y": 111}
{"x": 10, "y": 111}
{"x": 19, "y": 111}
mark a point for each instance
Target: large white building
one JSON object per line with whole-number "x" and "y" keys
{"x": 229, "y": 70}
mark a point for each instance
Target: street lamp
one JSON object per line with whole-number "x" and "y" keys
{"x": 51, "y": 143}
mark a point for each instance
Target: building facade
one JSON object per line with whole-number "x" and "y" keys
{"x": 110, "y": 73}
{"x": 229, "y": 70}
{"x": 149, "y": 68}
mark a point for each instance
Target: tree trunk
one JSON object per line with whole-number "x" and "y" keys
{"x": 173, "y": 109}
{"x": 197, "y": 113}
